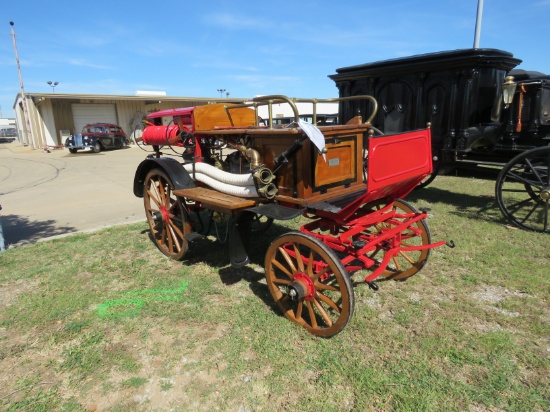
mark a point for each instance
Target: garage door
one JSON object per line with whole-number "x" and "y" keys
{"x": 84, "y": 114}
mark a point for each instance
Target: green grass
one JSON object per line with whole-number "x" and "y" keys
{"x": 104, "y": 320}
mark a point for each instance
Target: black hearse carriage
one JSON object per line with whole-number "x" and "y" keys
{"x": 481, "y": 111}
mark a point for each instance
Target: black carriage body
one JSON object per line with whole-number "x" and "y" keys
{"x": 527, "y": 122}
{"x": 460, "y": 93}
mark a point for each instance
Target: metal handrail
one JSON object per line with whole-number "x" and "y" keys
{"x": 277, "y": 99}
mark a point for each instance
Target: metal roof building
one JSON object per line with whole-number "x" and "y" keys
{"x": 50, "y": 117}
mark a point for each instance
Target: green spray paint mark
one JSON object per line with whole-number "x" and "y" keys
{"x": 115, "y": 308}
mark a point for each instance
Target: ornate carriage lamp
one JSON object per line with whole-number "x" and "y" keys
{"x": 508, "y": 90}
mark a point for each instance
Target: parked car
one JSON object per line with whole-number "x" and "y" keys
{"x": 97, "y": 137}
{"x": 8, "y": 135}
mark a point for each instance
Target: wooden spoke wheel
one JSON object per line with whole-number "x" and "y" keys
{"x": 166, "y": 215}
{"x": 405, "y": 263}
{"x": 309, "y": 284}
{"x": 523, "y": 190}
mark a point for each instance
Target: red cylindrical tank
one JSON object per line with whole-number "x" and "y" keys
{"x": 161, "y": 135}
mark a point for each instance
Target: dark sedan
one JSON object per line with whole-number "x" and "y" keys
{"x": 97, "y": 137}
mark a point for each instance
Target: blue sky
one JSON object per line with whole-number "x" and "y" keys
{"x": 194, "y": 48}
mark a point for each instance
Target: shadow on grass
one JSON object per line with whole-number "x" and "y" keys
{"x": 465, "y": 205}
{"x": 216, "y": 255}
{"x": 19, "y": 231}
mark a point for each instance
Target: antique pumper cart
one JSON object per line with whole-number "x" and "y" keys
{"x": 347, "y": 183}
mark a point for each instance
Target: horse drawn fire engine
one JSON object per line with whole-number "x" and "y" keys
{"x": 347, "y": 182}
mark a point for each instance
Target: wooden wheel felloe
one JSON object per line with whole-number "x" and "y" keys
{"x": 166, "y": 215}
{"x": 523, "y": 190}
{"x": 309, "y": 284}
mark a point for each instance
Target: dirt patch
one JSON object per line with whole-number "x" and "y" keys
{"x": 10, "y": 292}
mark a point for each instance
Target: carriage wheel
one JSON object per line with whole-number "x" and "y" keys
{"x": 523, "y": 190}
{"x": 260, "y": 224}
{"x": 166, "y": 215}
{"x": 309, "y": 284}
{"x": 430, "y": 178}
{"x": 406, "y": 263}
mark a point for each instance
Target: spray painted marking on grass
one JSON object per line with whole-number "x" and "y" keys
{"x": 112, "y": 309}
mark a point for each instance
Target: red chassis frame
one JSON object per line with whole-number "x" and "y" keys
{"x": 394, "y": 165}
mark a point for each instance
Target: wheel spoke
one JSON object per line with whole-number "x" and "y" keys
{"x": 299, "y": 258}
{"x": 312, "y": 317}
{"x": 299, "y": 309}
{"x": 309, "y": 269}
{"x": 315, "y": 277}
{"x": 397, "y": 265}
{"x": 407, "y": 257}
{"x": 283, "y": 269}
{"x": 329, "y": 302}
{"x": 515, "y": 190}
{"x": 530, "y": 213}
{"x": 173, "y": 239}
{"x": 288, "y": 259}
{"x": 155, "y": 197}
{"x": 174, "y": 228}
{"x": 323, "y": 313}
{"x": 534, "y": 171}
{"x": 279, "y": 281}
{"x": 324, "y": 286}
{"x": 520, "y": 179}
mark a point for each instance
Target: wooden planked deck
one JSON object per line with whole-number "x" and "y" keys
{"x": 217, "y": 201}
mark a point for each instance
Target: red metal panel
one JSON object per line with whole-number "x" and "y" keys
{"x": 397, "y": 163}
{"x": 185, "y": 111}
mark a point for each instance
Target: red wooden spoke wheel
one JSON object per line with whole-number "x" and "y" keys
{"x": 166, "y": 215}
{"x": 309, "y": 284}
{"x": 405, "y": 263}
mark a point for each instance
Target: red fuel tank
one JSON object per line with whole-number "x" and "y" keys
{"x": 161, "y": 135}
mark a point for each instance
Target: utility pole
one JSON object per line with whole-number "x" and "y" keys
{"x": 478, "y": 23}
{"x": 23, "y": 97}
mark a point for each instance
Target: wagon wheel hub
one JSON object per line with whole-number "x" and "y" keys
{"x": 302, "y": 287}
{"x": 545, "y": 193}
{"x": 162, "y": 215}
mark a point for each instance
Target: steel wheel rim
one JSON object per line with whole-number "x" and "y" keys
{"x": 166, "y": 215}
{"x": 523, "y": 190}
{"x": 294, "y": 258}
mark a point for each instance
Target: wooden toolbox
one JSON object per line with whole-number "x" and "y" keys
{"x": 309, "y": 177}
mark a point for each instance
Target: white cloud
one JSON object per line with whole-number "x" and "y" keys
{"x": 84, "y": 63}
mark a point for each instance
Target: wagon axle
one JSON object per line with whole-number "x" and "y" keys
{"x": 162, "y": 215}
{"x": 302, "y": 287}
